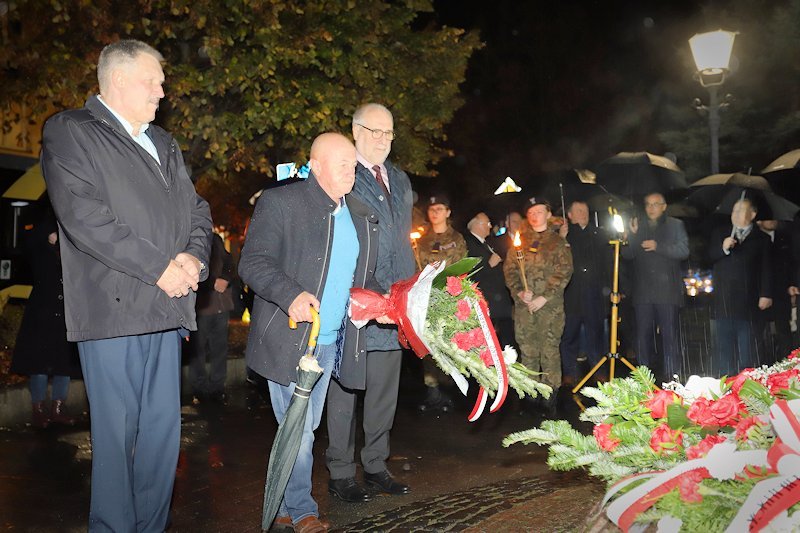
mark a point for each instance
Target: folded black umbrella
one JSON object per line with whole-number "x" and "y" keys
{"x": 290, "y": 431}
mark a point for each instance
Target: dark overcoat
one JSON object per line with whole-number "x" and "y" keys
{"x": 42, "y": 346}
{"x": 743, "y": 276}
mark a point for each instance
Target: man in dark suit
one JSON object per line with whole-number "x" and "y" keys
{"x": 386, "y": 189}
{"x": 490, "y": 277}
{"x": 775, "y": 335}
{"x": 657, "y": 248}
{"x": 742, "y": 287}
{"x": 584, "y": 303}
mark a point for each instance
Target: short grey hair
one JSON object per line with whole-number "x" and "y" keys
{"x": 366, "y": 108}
{"x": 121, "y": 53}
{"x": 474, "y": 220}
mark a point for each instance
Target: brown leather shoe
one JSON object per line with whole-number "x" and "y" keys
{"x": 312, "y": 524}
{"x": 282, "y": 523}
{"x": 59, "y": 414}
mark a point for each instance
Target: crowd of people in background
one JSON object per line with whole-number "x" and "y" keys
{"x": 141, "y": 268}
{"x": 561, "y": 322}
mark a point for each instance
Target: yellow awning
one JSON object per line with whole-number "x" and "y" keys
{"x": 30, "y": 186}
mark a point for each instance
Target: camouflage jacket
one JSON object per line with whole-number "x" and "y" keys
{"x": 449, "y": 246}
{"x": 548, "y": 265}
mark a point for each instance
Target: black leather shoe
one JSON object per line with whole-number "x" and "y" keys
{"x": 348, "y": 490}
{"x": 386, "y": 483}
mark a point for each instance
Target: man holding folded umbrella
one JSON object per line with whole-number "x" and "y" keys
{"x": 309, "y": 242}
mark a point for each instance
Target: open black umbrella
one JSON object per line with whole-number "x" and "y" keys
{"x": 719, "y": 192}
{"x": 290, "y": 431}
{"x": 634, "y": 174}
{"x": 783, "y": 175}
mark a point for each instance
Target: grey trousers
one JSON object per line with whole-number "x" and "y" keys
{"x": 380, "y": 404}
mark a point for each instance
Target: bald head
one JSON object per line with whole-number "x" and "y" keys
{"x": 333, "y": 161}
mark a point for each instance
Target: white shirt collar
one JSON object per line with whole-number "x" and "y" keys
{"x": 125, "y": 123}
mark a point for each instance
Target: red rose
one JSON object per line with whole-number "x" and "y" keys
{"x": 486, "y": 357}
{"x": 795, "y": 354}
{"x": 476, "y": 337}
{"x": 738, "y": 380}
{"x": 702, "y": 448}
{"x": 665, "y": 440}
{"x": 453, "y": 285}
{"x": 778, "y": 381}
{"x": 602, "y": 434}
{"x": 726, "y": 409}
{"x": 688, "y": 485}
{"x": 659, "y": 401}
{"x": 463, "y": 311}
{"x": 743, "y": 427}
{"x": 463, "y": 340}
{"x": 700, "y": 412}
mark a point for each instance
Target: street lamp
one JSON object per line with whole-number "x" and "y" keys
{"x": 712, "y": 56}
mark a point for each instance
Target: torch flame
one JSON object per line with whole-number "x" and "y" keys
{"x": 415, "y": 235}
{"x": 517, "y": 241}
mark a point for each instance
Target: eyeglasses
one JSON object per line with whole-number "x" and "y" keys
{"x": 654, "y": 204}
{"x": 377, "y": 134}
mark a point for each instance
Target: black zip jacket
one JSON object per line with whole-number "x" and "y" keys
{"x": 123, "y": 217}
{"x": 286, "y": 252}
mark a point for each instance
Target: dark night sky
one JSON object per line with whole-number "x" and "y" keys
{"x": 562, "y": 85}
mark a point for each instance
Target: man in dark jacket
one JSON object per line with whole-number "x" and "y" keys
{"x": 210, "y": 343}
{"x": 775, "y": 335}
{"x": 657, "y": 248}
{"x": 584, "y": 303}
{"x": 490, "y": 277}
{"x": 308, "y": 243}
{"x": 387, "y": 191}
{"x": 135, "y": 236}
{"x": 742, "y": 286}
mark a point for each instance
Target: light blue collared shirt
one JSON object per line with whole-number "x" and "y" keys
{"x": 142, "y": 140}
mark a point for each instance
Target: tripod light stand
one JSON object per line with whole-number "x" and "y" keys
{"x": 612, "y": 355}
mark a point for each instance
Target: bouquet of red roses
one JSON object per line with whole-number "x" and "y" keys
{"x": 709, "y": 455}
{"x": 441, "y": 312}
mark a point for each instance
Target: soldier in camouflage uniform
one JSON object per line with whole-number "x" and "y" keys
{"x": 441, "y": 242}
{"x": 539, "y": 313}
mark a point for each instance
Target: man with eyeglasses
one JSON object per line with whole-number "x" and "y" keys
{"x": 387, "y": 191}
{"x": 656, "y": 249}
{"x": 490, "y": 276}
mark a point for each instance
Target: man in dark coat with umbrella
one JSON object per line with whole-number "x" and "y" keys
{"x": 657, "y": 246}
{"x": 742, "y": 286}
{"x": 584, "y": 302}
{"x": 309, "y": 242}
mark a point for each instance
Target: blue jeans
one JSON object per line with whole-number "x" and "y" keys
{"x": 733, "y": 351}
{"x": 297, "y": 501}
{"x": 38, "y": 386}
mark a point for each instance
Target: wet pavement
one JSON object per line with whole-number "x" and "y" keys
{"x": 461, "y": 478}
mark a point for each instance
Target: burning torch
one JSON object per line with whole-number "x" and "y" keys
{"x": 415, "y": 235}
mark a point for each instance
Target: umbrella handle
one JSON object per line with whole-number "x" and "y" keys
{"x": 312, "y": 339}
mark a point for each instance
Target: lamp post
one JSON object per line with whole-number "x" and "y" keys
{"x": 712, "y": 55}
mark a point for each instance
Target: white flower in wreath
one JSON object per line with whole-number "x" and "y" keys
{"x": 697, "y": 387}
{"x": 510, "y": 355}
